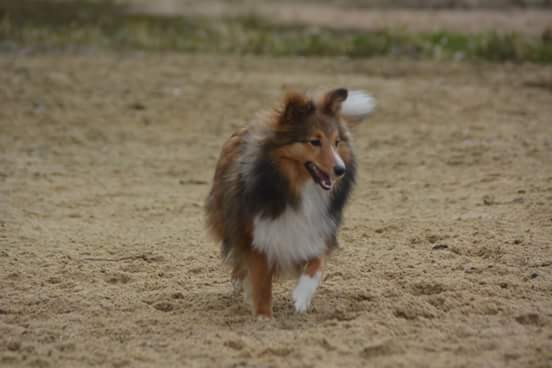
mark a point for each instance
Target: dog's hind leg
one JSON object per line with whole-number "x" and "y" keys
{"x": 307, "y": 284}
{"x": 238, "y": 278}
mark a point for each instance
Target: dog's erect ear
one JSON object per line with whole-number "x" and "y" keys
{"x": 331, "y": 102}
{"x": 297, "y": 107}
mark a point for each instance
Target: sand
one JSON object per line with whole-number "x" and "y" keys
{"x": 105, "y": 161}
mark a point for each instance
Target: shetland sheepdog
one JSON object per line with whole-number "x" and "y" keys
{"x": 279, "y": 190}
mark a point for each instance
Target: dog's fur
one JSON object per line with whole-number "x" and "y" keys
{"x": 279, "y": 190}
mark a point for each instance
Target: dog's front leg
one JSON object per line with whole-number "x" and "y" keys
{"x": 307, "y": 284}
{"x": 260, "y": 277}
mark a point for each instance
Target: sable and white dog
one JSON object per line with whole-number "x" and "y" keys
{"x": 279, "y": 190}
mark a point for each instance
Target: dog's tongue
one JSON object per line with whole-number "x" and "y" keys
{"x": 320, "y": 177}
{"x": 325, "y": 181}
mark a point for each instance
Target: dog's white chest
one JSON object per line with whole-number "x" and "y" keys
{"x": 297, "y": 235}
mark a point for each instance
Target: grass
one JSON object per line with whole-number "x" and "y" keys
{"x": 440, "y": 4}
{"x": 55, "y": 25}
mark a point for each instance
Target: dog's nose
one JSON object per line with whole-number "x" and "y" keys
{"x": 339, "y": 170}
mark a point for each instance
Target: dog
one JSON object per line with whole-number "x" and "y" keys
{"x": 279, "y": 190}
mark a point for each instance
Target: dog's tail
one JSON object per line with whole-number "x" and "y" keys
{"x": 357, "y": 106}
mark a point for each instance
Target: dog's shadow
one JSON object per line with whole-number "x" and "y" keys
{"x": 228, "y": 308}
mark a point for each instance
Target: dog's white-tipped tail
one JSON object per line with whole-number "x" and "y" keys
{"x": 357, "y": 106}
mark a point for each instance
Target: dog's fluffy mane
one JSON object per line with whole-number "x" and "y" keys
{"x": 253, "y": 184}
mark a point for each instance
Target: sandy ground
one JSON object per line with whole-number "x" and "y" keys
{"x": 105, "y": 160}
{"x": 524, "y": 21}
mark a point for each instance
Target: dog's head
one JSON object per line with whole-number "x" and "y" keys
{"x": 311, "y": 139}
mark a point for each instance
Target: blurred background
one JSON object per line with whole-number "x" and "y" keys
{"x": 495, "y": 30}
{"x": 112, "y": 118}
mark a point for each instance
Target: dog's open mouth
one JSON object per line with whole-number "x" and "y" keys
{"x": 319, "y": 176}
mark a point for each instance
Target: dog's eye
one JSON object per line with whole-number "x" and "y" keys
{"x": 315, "y": 142}
{"x": 337, "y": 142}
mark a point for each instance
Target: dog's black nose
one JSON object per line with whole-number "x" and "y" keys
{"x": 339, "y": 170}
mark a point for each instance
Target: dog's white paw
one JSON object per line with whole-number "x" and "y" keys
{"x": 304, "y": 291}
{"x": 302, "y": 303}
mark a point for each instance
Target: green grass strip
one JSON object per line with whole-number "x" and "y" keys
{"x": 60, "y": 25}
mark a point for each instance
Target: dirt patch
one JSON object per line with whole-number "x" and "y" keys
{"x": 105, "y": 160}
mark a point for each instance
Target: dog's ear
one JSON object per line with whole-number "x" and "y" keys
{"x": 331, "y": 101}
{"x": 297, "y": 107}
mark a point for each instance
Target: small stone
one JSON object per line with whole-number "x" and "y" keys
{"x": 234, "y": 344}
{"x": 432, "y": 238}
{"x": 528, "y": 319}
{"x": 54, "y": 280}
{"x": 488, "y": 200}
{"x": 137, "y": 106}
{"x": 14, "y": 345}
{"x": 164, "y": 306}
